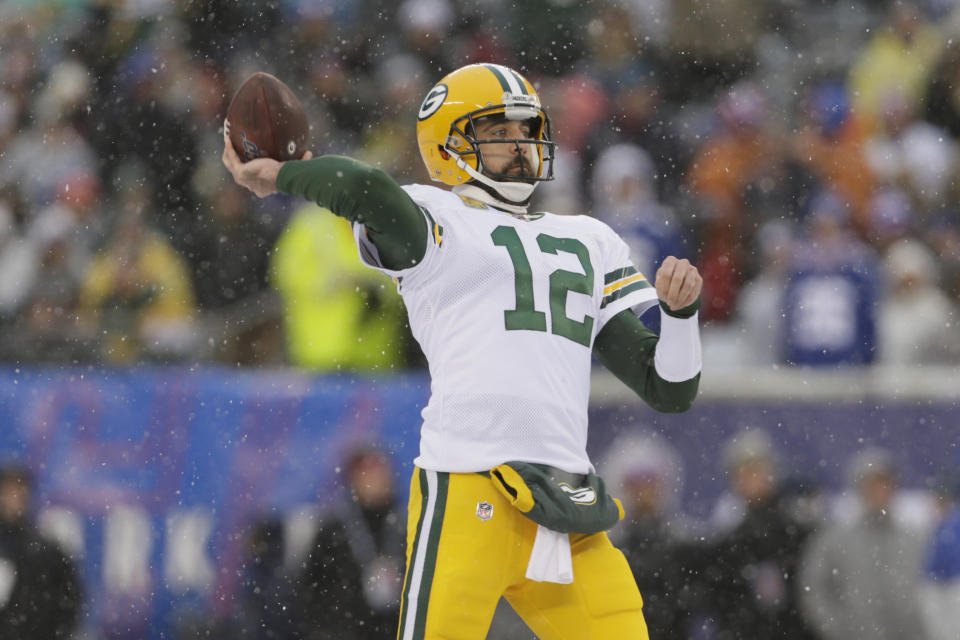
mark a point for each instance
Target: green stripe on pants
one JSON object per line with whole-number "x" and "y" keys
{"x": 423, "y": 556}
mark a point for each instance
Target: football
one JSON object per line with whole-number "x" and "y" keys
{"x": 266, "y": 120}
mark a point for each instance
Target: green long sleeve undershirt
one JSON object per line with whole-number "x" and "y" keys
{"x": 364, "y": 194}
{"x": 626, "y": 347}
{"x": 395, "y": 224}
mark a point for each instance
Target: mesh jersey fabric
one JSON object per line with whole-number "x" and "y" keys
{"x": 501, "y": 393}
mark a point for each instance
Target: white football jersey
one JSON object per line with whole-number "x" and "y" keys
{"x": 506, "y": 309}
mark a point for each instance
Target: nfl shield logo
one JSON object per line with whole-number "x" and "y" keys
{"x": 484, "y": 510}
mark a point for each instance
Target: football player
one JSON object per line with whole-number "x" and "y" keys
{"x": 508, "y": 305}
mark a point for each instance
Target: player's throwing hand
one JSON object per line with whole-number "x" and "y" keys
{"x": 678, "y": 283}
{"x": 259, "y": 176}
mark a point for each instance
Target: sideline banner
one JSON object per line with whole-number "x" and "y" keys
{"x": 813, "y": 442}
{"x": 150, "y": 476}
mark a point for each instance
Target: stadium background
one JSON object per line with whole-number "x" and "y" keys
{"x": 164, "y": 409}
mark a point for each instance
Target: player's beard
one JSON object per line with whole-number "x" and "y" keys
{"x": 524, "y": 169}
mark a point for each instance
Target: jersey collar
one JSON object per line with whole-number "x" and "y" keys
{"x": 474, "y": 192}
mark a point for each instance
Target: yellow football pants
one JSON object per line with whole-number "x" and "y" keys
{"x": 467, "y": 546}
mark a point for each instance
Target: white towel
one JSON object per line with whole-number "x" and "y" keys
{"x": 550, "y": 559}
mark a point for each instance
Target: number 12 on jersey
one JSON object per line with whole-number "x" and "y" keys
{"x": 525, "y": 316}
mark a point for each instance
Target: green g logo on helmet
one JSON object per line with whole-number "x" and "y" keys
{"x": 433, "y": 101}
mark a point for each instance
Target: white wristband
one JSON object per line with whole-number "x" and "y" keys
{"x": 677, "y": 357}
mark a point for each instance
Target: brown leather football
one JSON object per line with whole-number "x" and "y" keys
{"x": 265, "y": 120}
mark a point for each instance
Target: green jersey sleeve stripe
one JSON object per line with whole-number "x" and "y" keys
{"x": 619, "y": 274}
{"x": 619, "y": 293}
{"x": 436, "y": 231}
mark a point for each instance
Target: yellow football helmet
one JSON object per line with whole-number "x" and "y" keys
{"x": 446, "y": 126}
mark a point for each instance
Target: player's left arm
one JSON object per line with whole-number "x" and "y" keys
{"x": 664, "y": 370}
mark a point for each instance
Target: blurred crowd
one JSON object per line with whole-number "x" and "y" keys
{"x": 779, "y": 556}
{"x": 803, "y": 153}
{"x": 782, "y": 557}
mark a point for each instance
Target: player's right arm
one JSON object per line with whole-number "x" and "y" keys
{"x": 350, "y": 189}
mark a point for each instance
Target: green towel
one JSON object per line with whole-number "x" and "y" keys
{"x": 558, "y": 500}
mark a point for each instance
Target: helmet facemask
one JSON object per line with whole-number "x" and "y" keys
{"x": 514, "y": 188}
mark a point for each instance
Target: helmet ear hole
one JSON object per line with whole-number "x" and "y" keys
{"x": 443, "y": 152}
